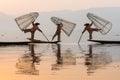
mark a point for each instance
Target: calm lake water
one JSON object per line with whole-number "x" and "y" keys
{"x": 60, "y": 62}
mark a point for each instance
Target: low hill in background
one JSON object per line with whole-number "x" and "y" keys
{"x": 9, "y": 30}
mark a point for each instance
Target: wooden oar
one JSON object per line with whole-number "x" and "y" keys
{"x": 80, "y": 38}
{"x": 44, "y": 35}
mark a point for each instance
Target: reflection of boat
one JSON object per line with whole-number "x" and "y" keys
{"x": 66, "y": 58}
{"x": 59, "y": 63}
{"x": 97, "y": 60}
{"x": 26, "y": 66}
{"x": 105, "y": 41}
{"x": 26, "y": 63}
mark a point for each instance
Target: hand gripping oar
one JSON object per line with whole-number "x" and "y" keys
{"x": 80, "y": 38}
{"x": 44, "y": 35}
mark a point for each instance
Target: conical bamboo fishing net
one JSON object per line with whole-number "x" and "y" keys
{"x": 67, "y": 26}
{"x": 25, "y": 20}
{"x": 100, "y": 23}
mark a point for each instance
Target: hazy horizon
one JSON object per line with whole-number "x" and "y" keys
{"x": 11, "y": 31}
{"x": 26, "y": 6}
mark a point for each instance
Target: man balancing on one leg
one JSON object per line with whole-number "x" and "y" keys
{"x": 58, "y": 32}
{"x": 89, "y": 29}
{"x": 33, "y": 30}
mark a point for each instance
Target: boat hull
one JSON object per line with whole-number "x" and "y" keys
{"x": 105, "y": 41}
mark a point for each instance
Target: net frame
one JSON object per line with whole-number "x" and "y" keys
{"x": 25, "y": 20}
{"x": 100, "y": 23}
{"x": 68, "y": 26}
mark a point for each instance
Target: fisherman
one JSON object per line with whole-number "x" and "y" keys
{"x": 89, "y": 29}
{"x": 33, "y": 30}
{"x": 58, "y": 32}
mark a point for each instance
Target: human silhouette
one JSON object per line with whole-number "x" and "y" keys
{"x": 58, "y": 32}
{"x": 89, "y": 29}
{"x": 33, "y": 30}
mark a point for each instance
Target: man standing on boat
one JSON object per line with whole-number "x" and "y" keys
{"x": 89, "y": 29}
{"x": 58, "y": 32}
{"x": 33, "y": 30}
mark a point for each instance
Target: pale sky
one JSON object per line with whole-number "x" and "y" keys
{"x": 24, "y": 6}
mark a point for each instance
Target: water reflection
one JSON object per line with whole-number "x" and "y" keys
{"x": 63, "y": 58}
{"x": 96, "y": 60}
{"x": 59, "y": 60}
{"x": 27, "y": 63}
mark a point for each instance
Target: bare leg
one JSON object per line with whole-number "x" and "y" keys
{"x": 32, "y": 37}
{"x": 27, "y": 30}
{"x": 59, "y": 37}
{"x": 90, "y": 35}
